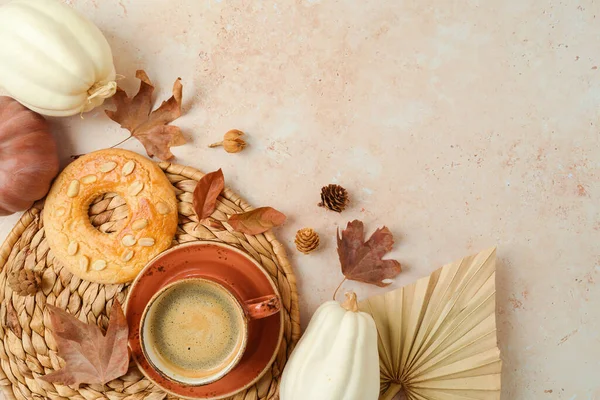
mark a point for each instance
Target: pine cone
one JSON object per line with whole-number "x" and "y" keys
{"x": 25, "y": 282}
{"x": 334, "y": 197}
{"x": 306, "y": 240}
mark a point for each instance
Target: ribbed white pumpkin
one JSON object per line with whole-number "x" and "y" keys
{"x": 336, "y": 358}
{"x": 53, "y": 60}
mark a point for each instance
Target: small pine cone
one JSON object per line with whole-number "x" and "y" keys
{"x": 25, "y": 282}
{"x": 307, "y": 240}
{"x": 334, "y": 197}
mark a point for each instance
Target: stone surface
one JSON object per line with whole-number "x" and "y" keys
{"x": 460, "y": 125}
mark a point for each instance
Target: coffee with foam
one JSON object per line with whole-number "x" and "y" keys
{"x": 195, "y": 331}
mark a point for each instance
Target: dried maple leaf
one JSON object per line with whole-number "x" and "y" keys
{"x": 206, "y": 192}
{"x": 361, "y": 261}
{"x": 256, "y": 221}
{"x": 150, "y": 127}
{"x": 90, "y": 356}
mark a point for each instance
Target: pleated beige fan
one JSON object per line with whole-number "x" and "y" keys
{"x": 437, "y": 337}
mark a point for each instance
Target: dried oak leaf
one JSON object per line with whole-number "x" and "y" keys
{"x": 361, "y": 261}
{"x": 206, "y": 192}
{"x": 150, "y": 127}
{"x": 256, "y": 221}
{"x": 90, "y": 357}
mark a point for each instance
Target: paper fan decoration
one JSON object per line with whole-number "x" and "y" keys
{"x": 437, "y": 337}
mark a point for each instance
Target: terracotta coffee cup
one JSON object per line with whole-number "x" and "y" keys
{"x": 195, "y": 330}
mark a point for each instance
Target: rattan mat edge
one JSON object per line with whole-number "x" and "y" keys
{"x": 28, "y": 350}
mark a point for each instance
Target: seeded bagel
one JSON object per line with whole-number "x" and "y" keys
{"x": 149, "y": 227}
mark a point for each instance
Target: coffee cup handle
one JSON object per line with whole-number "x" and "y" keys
{"x": 262, "y": 307}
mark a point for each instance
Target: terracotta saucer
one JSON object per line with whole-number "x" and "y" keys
{"x": 230, "y": 267}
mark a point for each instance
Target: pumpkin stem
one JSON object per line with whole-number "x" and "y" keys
{"x": 350, "y": 304}
{"x": 103, "y": 90}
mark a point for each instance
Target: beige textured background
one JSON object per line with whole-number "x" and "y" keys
{"x": 458, "y": 124}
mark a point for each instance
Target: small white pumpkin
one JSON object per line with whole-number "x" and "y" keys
{"x": 337, "y": 358}
{"x": 53, "y": 60}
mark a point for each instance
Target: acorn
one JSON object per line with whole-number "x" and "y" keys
{"x": 232, "y": 141}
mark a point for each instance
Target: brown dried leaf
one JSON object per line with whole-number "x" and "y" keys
{"x": 361, "y": 261}
{"x": 206, "y": 192}
{"x": 256, "y": 221}
{"x": 150, "y": 127}
{"x": 90, "y": 356}
{"x": 213, "y": 223}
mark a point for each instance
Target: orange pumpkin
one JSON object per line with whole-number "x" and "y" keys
{"x": 28, "y": 157}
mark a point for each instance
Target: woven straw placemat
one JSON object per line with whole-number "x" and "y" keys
{"x": 28, "y": 350}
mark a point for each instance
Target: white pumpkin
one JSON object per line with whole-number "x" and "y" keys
{"x": 336, "y": 359}
{"x": 53, "y": 60}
